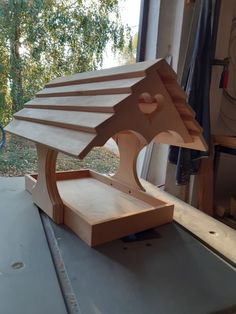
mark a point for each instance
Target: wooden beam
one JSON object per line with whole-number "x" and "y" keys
{"x": 219, "y": 237}
{"x": 227, "y": 141}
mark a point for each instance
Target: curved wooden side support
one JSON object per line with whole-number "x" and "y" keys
{"x": 129, "y": 145}
{"x": 45, "y": 193}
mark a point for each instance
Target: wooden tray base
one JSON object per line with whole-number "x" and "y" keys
{"x": 99, "y": 208}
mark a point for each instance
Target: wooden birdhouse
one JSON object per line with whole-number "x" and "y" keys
{"x": 134, "y": 105}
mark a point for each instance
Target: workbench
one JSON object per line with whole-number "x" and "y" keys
{"x": 45, "y": 268}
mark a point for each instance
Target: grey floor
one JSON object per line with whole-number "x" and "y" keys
{"x": 45, "y": 268}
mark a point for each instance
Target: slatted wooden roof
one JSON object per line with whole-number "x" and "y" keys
{"x": 75, "y": 113}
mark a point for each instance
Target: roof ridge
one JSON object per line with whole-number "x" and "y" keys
{"x": 116, "y": 73}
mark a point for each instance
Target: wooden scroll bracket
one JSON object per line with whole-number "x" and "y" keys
{"x": 45, "y": 193}
{"x": 129, "y": 144}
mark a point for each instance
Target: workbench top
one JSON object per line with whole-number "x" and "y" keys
{"x": 45, "y": 268}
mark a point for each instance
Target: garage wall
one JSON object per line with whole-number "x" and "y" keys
{"x": 221, "y": 108}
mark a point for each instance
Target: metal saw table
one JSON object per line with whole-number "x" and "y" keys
{"x": 45, "y": 268}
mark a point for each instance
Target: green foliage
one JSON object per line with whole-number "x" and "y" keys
{"x": 99, "y": 159}
{"x": 128, "y": 53}
{"x": 43, "y": 39}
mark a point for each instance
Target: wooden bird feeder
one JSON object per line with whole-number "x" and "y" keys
{"x": 134, "y": 105}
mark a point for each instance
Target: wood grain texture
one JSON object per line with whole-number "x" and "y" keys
{"x": 161, "y": 114}
{"x": 45, "y": 193}
{"x": 97, "y": 103}
{"x": 218, "y": 236}
{"x": 99, "y": 208}
{"x": 63, "y": 140}
{"x": 227, "y": 141}
{"x": 81, "y": 121}
{"x": 134, "y": 104}
{"x": 120, "y": 72}
{"x": 100, "y": 88}
{"x": 184, "y": 109}
{"x": 104, "y": 202}
{"x": 205, "y": 185}
{"x": 129, "y": 145}
{"x": 131, "y": 224}
{"x": 210, "y": 231}
{"x": 108, "y": 213}
{"x": 176, "y": 93}
{"x": 111, "y": 181}
{"x": 191, "y": 124}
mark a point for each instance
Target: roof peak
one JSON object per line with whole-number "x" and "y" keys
{"x": 123, "y": 71}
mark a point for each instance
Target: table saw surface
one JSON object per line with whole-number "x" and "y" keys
{"x": 45, "y": 268}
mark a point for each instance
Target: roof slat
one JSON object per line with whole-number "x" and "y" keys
{"x": 64, "y": 140}
{"x": 75, "y": 113}
{"x": 98, "y": 103}
{"x": 166, "y": 73}
{"x": 99, "y": 88}
{"x": 83, "y": 121}
{"x": 175, "y": 91}
{"x": 117, "y": 73}
{"x": 192, "y": 125}
{"x": 185, "y": 110}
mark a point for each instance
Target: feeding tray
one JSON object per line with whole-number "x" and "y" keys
{"x": 132, "y": 104}
{"x": 111, "y": 210}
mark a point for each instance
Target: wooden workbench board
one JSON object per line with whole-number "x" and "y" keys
{"x": 99, "y": 209}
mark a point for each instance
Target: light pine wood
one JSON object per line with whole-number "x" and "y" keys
{"x": 213, "y": 233}
{"x": 81, "y": 121}
{"x": 205, "y": 185}
{"x": 138, "y": 193}
{"x": 112, "y": 210}
{"x": 99, "y": 88}
{"x": 108, "y": 180}
{"x": 216, "y": 235}
{"x": 184, "y": 109}
{"x": 60, "y": 139}
{"x": 44, "y": 192}
{"x": 131, "y": 224}
{"x": 177, "y": 94}
{"x": 134, "y": 104}
{"x": 30, "y": 181}
{"x": 97, "y": 103}
{"x": 227, "y": 141}
{"x": 104, "y": 202}
{"x": 120, "y": 72}
{"x": 159, "y": 115}
{"x": 129, "y": 145}
{"x": 116, "y": 228}
{"x": 191, "y": 124}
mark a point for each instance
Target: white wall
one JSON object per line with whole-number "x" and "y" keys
{"x": 169, "y": 30}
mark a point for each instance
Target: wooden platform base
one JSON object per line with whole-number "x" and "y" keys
{"x": 100, "y": 209}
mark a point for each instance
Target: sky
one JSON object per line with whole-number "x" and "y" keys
{"x": 129, "y": 10}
